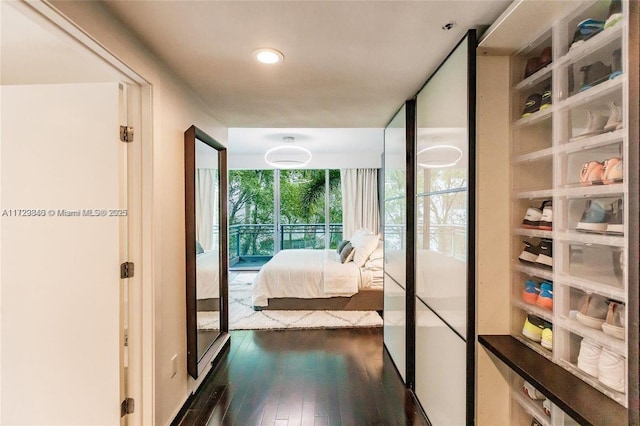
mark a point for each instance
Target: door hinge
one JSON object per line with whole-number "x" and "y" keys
{"x": 126, "y": 133}
{"x": 126, "y": 270}
{"x": 127, "y": 407}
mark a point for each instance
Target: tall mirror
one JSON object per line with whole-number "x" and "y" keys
{"x": 206, "y": 248}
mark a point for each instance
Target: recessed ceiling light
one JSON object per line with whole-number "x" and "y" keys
{"x": 268, "y": 56}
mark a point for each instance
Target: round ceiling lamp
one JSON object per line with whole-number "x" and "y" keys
{"x": 268, "y": 56}
{"x": 288, "y": 156}
{"x": 439, "y": 156}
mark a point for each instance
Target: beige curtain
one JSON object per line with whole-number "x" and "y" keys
{"x": 206, "y": 206}
{"x": 359, "y": 201}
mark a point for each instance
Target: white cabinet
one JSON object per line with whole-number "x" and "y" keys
{"x": 570, "y": 142}
{"x": 570, "y": 149}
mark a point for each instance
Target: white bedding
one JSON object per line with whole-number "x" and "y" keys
{"x": 207, "y": 275}
{"x": 307, "y": 274}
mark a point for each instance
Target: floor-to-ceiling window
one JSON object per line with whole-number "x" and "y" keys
{"x": 273, "y": 210}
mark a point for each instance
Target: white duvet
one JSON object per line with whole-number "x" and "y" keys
{"x": 207, "y": 275}
{"x": 306, "y": 274}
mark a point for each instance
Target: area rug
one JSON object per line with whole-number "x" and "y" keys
{"x": 243, "y": 317}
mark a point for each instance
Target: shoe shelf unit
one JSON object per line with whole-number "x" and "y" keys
{"x": 568, "y": 156}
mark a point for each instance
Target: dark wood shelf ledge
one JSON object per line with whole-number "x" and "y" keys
{"x": 581, "y": 401}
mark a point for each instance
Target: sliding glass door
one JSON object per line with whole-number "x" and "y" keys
{"x": 395, "y": 241}
{"x": 273, "y": 210}
{"x": 444, "y": 278}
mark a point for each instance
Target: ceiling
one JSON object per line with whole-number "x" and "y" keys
{"x": 348, "y": 64}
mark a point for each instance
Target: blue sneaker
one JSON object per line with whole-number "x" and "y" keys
{"x": 545, "y": 299}
{"x": 531, "y": 292}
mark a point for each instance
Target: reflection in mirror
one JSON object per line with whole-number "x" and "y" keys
{"x": 207, "y": 192}
{"x": 206, "y": 248}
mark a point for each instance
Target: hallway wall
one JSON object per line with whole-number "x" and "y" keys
{"x": 175, "y": 107}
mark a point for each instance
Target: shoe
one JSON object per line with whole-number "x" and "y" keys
{"x": 546, "y": 221}
{"x": 614, "y": 323}
{"x": 530, "y": 253}
{"x": 532, "y": 104}
{"x": 611, "y": 370}
{"x": 593, "y": 312}
{"x": 612, "y": 170}
{"x": 545, "y": 258}
{"x": 615, "y": 224}
{"x": 594, "y": 74}
{"x": 616, "y": 63}
{"x": 617, "y": 260}
{"x": 613, "y": 20}
{"x": 594, "y": 218}
{"x": 531, "y": 392}
{"x": 595, "y": 125}
{"x": 589, "y": 357}
{"x": 547, "y": 337}
{"x": 615, "y": 118}
{"x": 536, "y": 64}
{"x": 545, "y": 298}
{"x": 546, "y": 98}
{"x": 592, "y": 173}
{"x": 531, "y": 292}
{"x": 532, "y": 66}
{"x": 532, "y": 328}
{"x": 546, "y": 406}
{"x": 532, "y": 218}
{"x": 585, "y": 30}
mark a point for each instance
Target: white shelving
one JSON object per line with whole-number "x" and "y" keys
{"x": 544, "y": 143}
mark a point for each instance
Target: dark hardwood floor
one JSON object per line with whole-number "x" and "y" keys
{"x": 303, "y": 377}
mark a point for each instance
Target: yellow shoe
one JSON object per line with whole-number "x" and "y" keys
{"x": 547, "y": 338}
{"x": 533, "y": 327}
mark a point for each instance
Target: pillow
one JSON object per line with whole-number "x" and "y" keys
{"x": 347, "y": 252}
{"x": 360, "y": 232}
{"x": 364, "y": 246}
{"x": 341, "y": 245}
{"x": 378, "y": 253}
{"x": 199, "y": 248}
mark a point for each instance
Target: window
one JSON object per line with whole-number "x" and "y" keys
{"x": 272, "y": 210}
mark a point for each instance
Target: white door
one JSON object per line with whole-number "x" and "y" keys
{"x": 62, "y": 245}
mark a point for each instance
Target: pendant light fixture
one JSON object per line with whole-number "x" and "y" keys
{"x": 288, "y": 156}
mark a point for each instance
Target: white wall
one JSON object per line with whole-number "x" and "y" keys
{"x": 492, "y": 224}
{"x": 175, "y": 108}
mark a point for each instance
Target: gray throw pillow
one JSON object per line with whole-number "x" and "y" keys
{"x": 341, "y": 245}
{"x": 346, "y": 254}
{"x": 199, "y": 248}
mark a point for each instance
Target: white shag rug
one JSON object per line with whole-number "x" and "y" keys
{"x": 243, "y": 317}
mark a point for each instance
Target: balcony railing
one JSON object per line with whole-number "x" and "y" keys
{"x": 258, "y": 239}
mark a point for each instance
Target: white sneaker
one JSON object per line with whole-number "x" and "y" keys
{"x": 546, "y": 406}
{"x": 532, "y": 218}
{"x": 595, "y": 125}
{"x": 531, "y": 392}
{"x": 594, "y": 311}
{"x": 614, "y": 324}
{"x": 615, "y": 118}
{"x": 589, "y": 357}
{"x": 611, "y": 370}
{"x": 546, "y": 221}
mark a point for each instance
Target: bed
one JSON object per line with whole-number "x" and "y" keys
{"x": 322, "y": 279}
{"x": 208, "y": 281}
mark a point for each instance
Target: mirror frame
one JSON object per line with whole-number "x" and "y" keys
{"x": 195, "y": 365}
